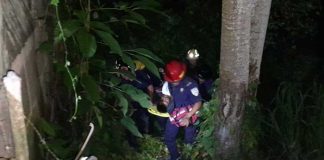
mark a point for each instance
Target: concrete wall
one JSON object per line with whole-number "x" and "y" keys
{"x": 22, "y": 30}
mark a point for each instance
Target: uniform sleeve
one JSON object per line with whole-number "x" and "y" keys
{"x": 144, "y": 78}
{"x": 193, "y": 93}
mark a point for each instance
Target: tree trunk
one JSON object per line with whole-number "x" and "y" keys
{"x": 234, "y": 75}
{"x": 259, "y": 23}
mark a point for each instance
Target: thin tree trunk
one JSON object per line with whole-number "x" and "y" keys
{"x": 234, "y": 74}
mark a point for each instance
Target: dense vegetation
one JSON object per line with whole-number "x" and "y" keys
{"x": 285, "y": 120}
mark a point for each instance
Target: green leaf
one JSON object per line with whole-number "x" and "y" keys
{"x": 67, "y": 81}
{"x": 149, "y": 5}
{"x": 114, "y": 80}
{"x": 124, "y": 73}
{"x": 91, "y": 87}
{"x": 147, "y": 53}
{"x": 146, "y": 3}
{"x": 84, "y": 106}
{"x": 98, "y": 63}
{"x": 69, "y": 28}
{"x": 129, "y": 61}
{"x": 138, "y": 17}
{"x": 135, "y": 22}
{"x": 209, "y": 131}
{"x": 130, "y": 125}
{"x": 46, "y": 127}
{"x": 149, "y": 65}
{"x": 110, "y": 41}
{"x": 137, "y": 95}
{"x": 98, "y": 115}
{"x": 82, "y": 16}
{"x": 101, "y": 26}
{"x": 55, "y": 2}
{"x": 87, "y": 43}
{"x": 122, "y": 101}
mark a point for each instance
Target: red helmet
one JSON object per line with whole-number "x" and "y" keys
{"x": 174, "y": 71}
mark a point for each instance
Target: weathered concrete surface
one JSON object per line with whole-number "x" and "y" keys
{"x": 6, "y": 139}
{"x": 21, "y": 32}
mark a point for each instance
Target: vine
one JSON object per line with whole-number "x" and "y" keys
{"x": 67, "y": 62}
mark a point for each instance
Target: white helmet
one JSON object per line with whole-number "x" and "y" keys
{"x": 192, "y": 54}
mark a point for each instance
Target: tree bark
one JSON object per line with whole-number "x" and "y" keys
{"x": 259, "y": 23}
{"x": 234, "y": 75}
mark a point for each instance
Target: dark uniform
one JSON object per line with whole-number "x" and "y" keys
{"x": 205, "y": 82}
{"x": 140, "y": 115}
{"x": 184, "y": 94}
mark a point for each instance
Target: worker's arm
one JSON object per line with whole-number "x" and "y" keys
{"x": 195, "y": 108}
{"x": 185, "y": 121}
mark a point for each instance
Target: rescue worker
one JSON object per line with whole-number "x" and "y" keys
{"x": 205, "y": 83}
{"x": 201, "y": 73}
{"x": 140, "y": 115}
{"x": 181, "y": 96}
{"x": 144, "y": 83}
{"x": 157, "y": 84}
{"x": 192, "y": 59}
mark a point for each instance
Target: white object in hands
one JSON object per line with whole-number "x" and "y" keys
{"x": 12, "y": 83}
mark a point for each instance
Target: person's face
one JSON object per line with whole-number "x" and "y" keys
{"x": 161, "y": 70}
{"x": 124, "y": 68}
{"x": 201, "y": 80}
{"x": 165, "y": 100}
{"x": 193, "y": 62}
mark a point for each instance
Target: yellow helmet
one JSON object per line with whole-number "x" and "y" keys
{"x": 139, "y": 65}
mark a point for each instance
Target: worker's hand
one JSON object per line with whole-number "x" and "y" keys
{"x": 185, "y": 122}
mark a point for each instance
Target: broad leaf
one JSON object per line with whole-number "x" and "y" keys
{"x": 87, "y": 43}
{"x": 149, "y": 5}
{"x": 146, "y": 3}
{"x": 82, "y": 16}
{"x": 91, "y": 87}
{"x": 126, "y": 20}
{"x": 69, "y": 28}
{"x": 46, "y": 127}
{"x": 147, "y": 53}
{"x": 101, "y": 26}
{"x": 55, "y": 2}
{"x": 137, "y": 95}
{"x": 84, "y": 106}
{"x": 129, "y": 61}
{"x": 66, "y": 77}
{"x": 122, "y": 101}
{"x": 149, "y": 65}
{"x": 98, "y": 115}
{"x": 138, "y": 17}
{"x": 130, "y": 125}
{"x": 98, "y": 63}
{"x": 109, "y": 40}
{"x": 124, "y": 73}
{"x": 114, "y": 80}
